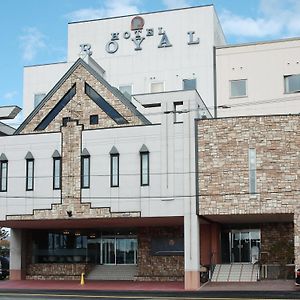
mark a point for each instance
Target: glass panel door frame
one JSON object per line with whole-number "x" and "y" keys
{"x": 247, "y": 247}
{"x": 118, "y": 242}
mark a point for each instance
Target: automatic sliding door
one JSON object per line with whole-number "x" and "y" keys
{"x": 126, "y": 251}
{"x": 245, "y": 245}
{"x": 108, "y": 251}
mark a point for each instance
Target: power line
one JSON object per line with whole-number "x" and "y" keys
{"x": 159, "y": 197}
{"x": 231, "y": 105}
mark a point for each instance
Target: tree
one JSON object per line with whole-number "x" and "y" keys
{"x": 3, "y": 233}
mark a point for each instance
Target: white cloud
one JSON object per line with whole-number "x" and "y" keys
{"x": 10, "y": 95}
{"x": 32, "y": 41}
{"x": 110, "y": 8}
{"x": 275, "y": 19}
{"x": 176, "y": 3}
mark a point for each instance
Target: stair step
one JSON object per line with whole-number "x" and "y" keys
{"x": 243, "y": 272}
{"x": 113, "y": 272}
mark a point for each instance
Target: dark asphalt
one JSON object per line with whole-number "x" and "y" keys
{"x": 27, "y": 294}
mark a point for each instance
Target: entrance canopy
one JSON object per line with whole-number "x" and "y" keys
{"x": 90, "y": 223}
{"x": 250, "y": 218}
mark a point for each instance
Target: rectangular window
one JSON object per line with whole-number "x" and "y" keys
{"x": 189, "y": 84}
{"x": 3, "y": 176}
{"x": 252, "y": 171}
{"x": 178, "y": 115}
{"x": 144, "y": 168}
{"x": 157, "y": 87}
{"x": 85, "y": 172}
{"x": 238, "y": 88}
{"x": 29, "y": 174}
{"x": 292, "y": 83}
{"x": 94, "y": 119}
{"x": 65, "y": 120}
{"x": 126, "y": 90}
{"x": 114, "y": 172}
{"x": 57, "y": 173}
{"x": 38, "y": 98}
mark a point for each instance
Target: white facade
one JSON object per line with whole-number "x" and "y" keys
{"x": 263, "y": 68}
{"x": 172, "y": 161}
{"x": 185, "y": 55}
{"x": 17, "y": 200}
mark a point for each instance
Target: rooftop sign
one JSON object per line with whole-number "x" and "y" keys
{"x": 137, "y": 35}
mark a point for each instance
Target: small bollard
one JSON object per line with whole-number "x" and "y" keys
{"x": 82, "y": 279}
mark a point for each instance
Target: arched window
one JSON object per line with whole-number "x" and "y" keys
{"x": 56, "y": 170}
{"x": 145, "y": 169}
{"x": 85, "y": 169}
{"x": 29, "y": 171}
{"x": 114, "y": 167}
{"x": 3, "y": 173}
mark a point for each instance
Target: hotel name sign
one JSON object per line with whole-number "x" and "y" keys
{"x": 137, "y": 36}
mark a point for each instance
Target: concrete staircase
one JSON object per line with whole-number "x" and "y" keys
{"x": 112, "y": 272}
{"x": 235, "y": 273}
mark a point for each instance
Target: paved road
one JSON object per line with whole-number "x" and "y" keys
{"x": 60, "y": 295}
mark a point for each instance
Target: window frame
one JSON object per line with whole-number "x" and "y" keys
{"x": 131, "y": 89}
{"x": 238, "y": 96}
{"x": 285, "y": 77}
{"x": 142, "y": 154}
{"x": 94, "y": 119}
{"x": 38, "y": 98}
{"x": 28, "y": 162}
{"x": 82, "y": 175}
{"x": 178, "y": 115}
{"x": 57, "y": 159}
{"x": 156, "y": 82}
{"x": 3, "y": 162}
{"x": 187, "y": 80}
{"x": 112, "y": 175}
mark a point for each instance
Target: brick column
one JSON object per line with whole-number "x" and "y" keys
{"x": 71, "y": 166}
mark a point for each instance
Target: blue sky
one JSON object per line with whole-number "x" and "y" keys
{"x": 35, "y": 31}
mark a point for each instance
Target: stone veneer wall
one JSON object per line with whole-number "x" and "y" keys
{"x": 56, "y": 271}
{"x": 223, "y": 146}
{"x": 158, "y": 268}
{"x": 277, "y": 239}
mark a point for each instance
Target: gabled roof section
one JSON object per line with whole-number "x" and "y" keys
{"x": 114, "y": 150}
{"x": 3, "y": 157}
{"x": 56, "y": 154}
{"x": 85, "y": 152}
{"x": 29, "y": 155}
{"x": 115, "y": 92}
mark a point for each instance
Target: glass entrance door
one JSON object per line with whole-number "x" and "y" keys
{"x": 245, "y": 245}
{"x": 119, "y": 250}
{"x": 108, "y": 251}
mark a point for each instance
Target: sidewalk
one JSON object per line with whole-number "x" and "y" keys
{"x": 114, "y": 286}
{"x": 264, "y": 285}
{"x": 92, "y": 285}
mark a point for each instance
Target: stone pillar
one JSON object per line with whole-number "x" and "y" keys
{"x": 71, "y": 166}
{"x": 297, "y": 237}
{"x": 16, "y": 261}
{"x": 191, "y": 252}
